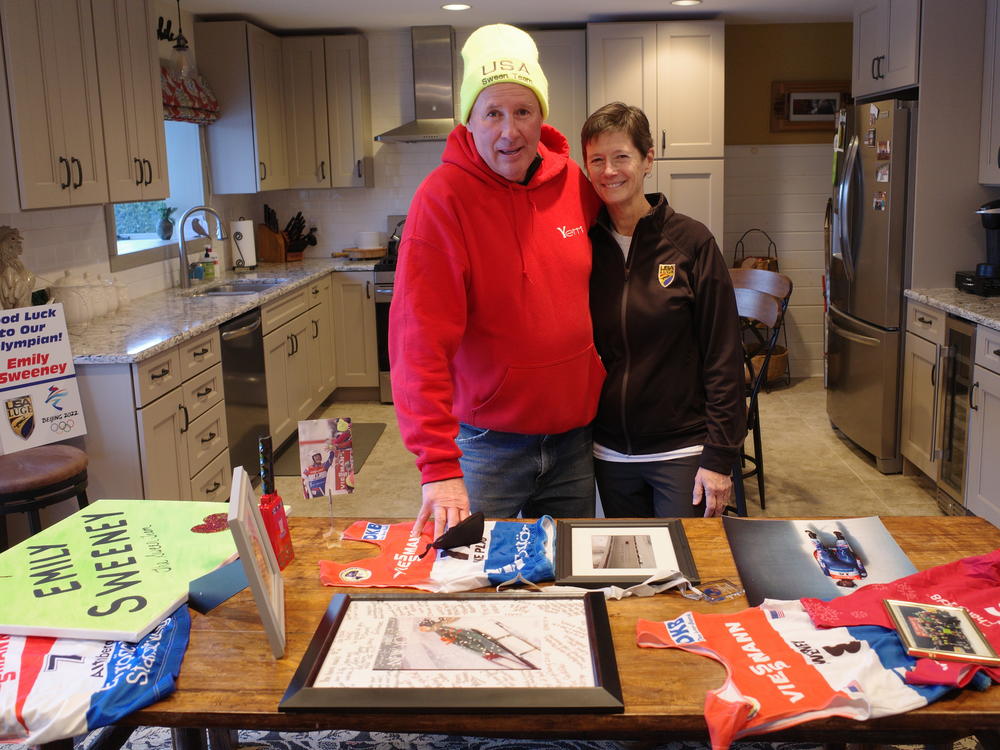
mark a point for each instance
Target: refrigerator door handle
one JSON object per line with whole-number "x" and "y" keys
{"x": 857, "y": 338}
{"x": 844, "y": 199}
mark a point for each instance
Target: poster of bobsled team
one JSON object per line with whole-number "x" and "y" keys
{"x": 820, "y": 558}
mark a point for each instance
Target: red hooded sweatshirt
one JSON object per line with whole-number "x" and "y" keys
{"x": 490, "y": 323}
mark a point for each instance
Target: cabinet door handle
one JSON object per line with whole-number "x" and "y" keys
{"x": 881, "y": 59}
{"x": 149, "y": 171}
{"x": 215, "y": 486}
{"x": 874, "y": 74}
{"x": 263, "y": 170}
{"x": 360, "y": 175}
{"x": 63, "y": 161}
{"x": 187, "y": 418}
{"x": 202, "y": 394}
{"x": 291, "y": 345}
{"x": 295, "y": 338}
{"x": 201, "y": 352}
{"x": 663, "y": 143}
{"x": 322, "y": 171}
{"x": 164, "y": 371}
{"x": 996, "y": 352}
{"x": 925, "y": 321}
{"x": 138, "y": 163}
{"x": 972, "y": 392}
{"x": 316, "y": 329}
{"x": 368, "y": 290}
{"x": 79, "y": 172}
{"x": 209, "y": 437}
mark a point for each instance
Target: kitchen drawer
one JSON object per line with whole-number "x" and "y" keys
{"x": 926, "y": 322}
{"x": 213, "y": 482}
{"x": 318, "y": 291}
{"x": 276, "y": 314}
{"x": 156, "y": 376}
{"x": 203, "y": 391}
{"x": 200, "y": 353}
{"x": 988, "y": 348}
{"x": 207, "y": 436}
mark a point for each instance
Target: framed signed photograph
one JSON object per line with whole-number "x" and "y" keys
{"x": 459, "y": 652}
{"x": 257, "y": 557}
{"x": 938, "y": 632}
{"x": 600, "y": 552}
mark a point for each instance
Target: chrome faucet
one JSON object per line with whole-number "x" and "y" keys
{"x": 182, "y": 245}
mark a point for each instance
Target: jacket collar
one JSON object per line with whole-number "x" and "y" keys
{"x": 659, "y": 213}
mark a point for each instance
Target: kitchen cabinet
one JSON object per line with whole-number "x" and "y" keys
{"x": 296, "y": 343}
{"x": 246, "y": 145}
{"x": 349, "y": 111}
{"x": 328, "y": 111}
{"x": 158, "y": 428}
{"x": 923, "y": 384}
{"x": 673, "y": 71}
{"x": 982, "y": 480}
{"x": 989, "y": 143}
{"x": 886, "y": 46}
{"x": 54, "y": 102}
{"x": 693, "y": 187}
{"x": 128, "y": 67}
{"x": 354, "y": 328}
{"x": 562, "y": 53}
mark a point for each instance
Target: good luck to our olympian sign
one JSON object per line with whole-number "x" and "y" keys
{"x": 38, "y": 392}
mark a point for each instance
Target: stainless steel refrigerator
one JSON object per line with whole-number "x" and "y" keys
{"x": 867, "y": 268}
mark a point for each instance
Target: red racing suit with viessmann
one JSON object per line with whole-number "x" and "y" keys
{"x": 489, "y": 323}
{"x": 666, "y": 328}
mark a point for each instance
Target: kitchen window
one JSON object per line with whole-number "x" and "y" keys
{"x": 133, "y": 228}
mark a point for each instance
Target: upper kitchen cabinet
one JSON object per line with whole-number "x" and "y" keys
{"x": 328, "y": 108}
{"x": 989, "y": 144}
{"x": 562, "y": 54}
{"x": 54, "y": 102}
{"x": 128, "y": 68}
{"x": 348, "y": 108}
{"x": 886, "y": 46}
{"x": 673, "y": 71}
{"x": 246, "y": 145}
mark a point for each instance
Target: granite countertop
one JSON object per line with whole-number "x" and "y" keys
{"x": 157, "y": 322}
{"x": 982, "y": 310}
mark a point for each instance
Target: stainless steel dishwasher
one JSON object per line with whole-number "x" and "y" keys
{"x": 245, "y": 386}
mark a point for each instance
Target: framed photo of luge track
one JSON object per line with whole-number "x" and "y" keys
{"x": 600, "y": 552}
{"x": 459, "y": 652}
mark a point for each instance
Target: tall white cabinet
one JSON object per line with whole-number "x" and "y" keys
{"x": 982, "y": 480}
{"x": 54, "y": 102}
{"x": 675, "y": 72}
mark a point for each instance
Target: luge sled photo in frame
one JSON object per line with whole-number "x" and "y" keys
{"x": 258, "y": 560}
{"x": 599, "y": 552}
{"x": 459, "y": 652}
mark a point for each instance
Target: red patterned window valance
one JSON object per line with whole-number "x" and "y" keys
{"x": 187, "y": 99}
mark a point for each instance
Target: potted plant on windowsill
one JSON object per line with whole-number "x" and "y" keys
{"x": 165, "y": 229}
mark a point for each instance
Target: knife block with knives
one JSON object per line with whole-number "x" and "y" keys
{"x": 280, "y": 247}
{"x": 270, "y": 245}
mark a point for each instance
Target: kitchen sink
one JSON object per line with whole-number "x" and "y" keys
{"x": 238, "y": 286}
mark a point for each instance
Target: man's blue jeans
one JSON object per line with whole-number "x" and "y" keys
{"x": 507, "y": 473}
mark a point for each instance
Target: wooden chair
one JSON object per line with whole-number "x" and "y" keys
{"x": 758, "y": 311}
{"x": 777, "y": 285}
{"x": 37, "y": 477}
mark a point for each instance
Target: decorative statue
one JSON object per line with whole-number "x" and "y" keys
{"x": 16, "y": 281}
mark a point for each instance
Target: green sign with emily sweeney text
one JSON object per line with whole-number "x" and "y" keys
{"x": 113, "y": 570}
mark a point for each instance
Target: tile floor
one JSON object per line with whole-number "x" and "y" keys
{"x": 810, "y": 469}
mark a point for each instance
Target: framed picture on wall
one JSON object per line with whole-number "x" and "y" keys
{"x": 807, "y": 105}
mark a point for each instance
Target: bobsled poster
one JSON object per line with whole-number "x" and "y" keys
{"x": 38, "y": 392}
{"x": 822, "y": 558}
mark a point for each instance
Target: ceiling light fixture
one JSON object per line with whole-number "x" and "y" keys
{"x": 456, "y": 6}
{"x": 685, "y": 2}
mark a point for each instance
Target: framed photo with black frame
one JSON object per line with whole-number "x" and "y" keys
{"x": 600, "y": 552}
{"x": 459, "y": 652}
{"x": 258, "y": 559}
{"x": 939, "y": 632}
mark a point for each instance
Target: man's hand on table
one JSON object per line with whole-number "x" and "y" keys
{"x": 447, "y": 500}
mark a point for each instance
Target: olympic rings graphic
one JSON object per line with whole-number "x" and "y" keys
{"x": 64, "y": 425}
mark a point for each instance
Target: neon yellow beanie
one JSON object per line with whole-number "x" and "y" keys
{"x": 499, "y": 53}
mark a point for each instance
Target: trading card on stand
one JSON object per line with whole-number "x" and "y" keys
{"x": 720, "y": 590}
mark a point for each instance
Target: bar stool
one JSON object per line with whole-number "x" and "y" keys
{"x": 37, "y": 477}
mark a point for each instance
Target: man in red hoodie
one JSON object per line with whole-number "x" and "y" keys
{"x": 494, "y": 373}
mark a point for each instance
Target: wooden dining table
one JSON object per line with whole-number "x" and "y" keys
{"x": 229, "y": 679}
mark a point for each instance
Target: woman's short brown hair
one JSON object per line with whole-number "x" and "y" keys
{"x": 619, "y": 117}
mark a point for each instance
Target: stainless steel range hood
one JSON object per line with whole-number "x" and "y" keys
{"x": 433, "y": 94}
